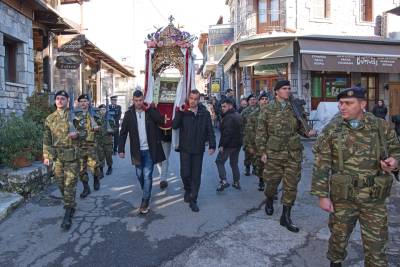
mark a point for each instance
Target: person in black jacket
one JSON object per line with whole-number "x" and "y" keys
{"x": 141, "y": 123}
{"x": 195, "y": 129}
{"x": 396, "y": 121}
{"x": 380, "y": 110}
{"x": 229, "y": 144}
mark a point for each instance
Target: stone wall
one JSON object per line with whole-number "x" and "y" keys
{"x": 18, "y": 28}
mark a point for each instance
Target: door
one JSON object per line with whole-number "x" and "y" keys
{"x": 370, "y": 83}
{"x": 394, "y": 101}
{"x": 263, "y": 83}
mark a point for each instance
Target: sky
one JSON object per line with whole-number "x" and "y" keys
{"x": 119, "y": 27}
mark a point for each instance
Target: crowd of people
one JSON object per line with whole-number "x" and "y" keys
{"x": 355, "y": 156}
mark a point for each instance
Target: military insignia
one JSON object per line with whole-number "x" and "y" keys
{"x": 350, "y": 93}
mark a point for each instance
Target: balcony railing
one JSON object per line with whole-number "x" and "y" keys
{"x": 265, "y": 21}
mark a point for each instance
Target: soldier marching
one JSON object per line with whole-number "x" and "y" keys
{"x": 355, "y": 156}
{"x": 352, "y": 176}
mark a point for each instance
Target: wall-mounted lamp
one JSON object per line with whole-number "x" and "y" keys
{"x": 307, "y": 85}
{"x": 386, "y": 86}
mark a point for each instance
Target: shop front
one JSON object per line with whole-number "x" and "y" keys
{"x": 336, "y": 65}
{"x": 267, "y": 62}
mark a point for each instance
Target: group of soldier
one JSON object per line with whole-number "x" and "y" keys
{"x": 355, "y": 156}
{"x": 76, "y": 141}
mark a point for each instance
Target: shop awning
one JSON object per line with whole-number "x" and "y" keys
{"x": 265, "y": 54}
{"x": 231, "y": 61}
{"x": 349, "y": 56}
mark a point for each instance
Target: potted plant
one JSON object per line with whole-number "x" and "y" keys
{"x": 18, "y": 140}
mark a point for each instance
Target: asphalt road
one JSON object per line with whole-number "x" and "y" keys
{"x": 107, "y": 230}
{"x": 231, "y": 228}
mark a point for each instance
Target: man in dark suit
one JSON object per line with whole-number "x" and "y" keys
{"x": 141, "y": 123}
{"x": 195, "y": 129}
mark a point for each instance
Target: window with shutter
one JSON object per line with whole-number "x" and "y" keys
{"x": 321, "y": 9}
{"x": 366, "y": 10}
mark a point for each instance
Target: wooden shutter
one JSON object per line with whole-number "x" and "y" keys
{"x": 327, "y": 8}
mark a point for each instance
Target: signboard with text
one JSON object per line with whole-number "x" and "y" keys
{"x": 215, "y": 86}
{"x": 220, "y": 35}
{"x": 70, "y": 43}
{"x": 346, "y": 63}
{"x": 70, "y": 62}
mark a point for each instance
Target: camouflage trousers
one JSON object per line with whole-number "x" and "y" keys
{"x": 258, "y": 166}
{"x": 104, "y": 153}
{"x": 66, "y": 175}
{"x": 287, "y": 171}
{"x": 247, "y": 158}
{"x": 88, "y": 159}
{"x": 374, "y": 230}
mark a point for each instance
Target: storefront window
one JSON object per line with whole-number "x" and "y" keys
{"x": 271, "y": 70}
{"x": 316, "y": 84}
{"x": 326, "y": 86}
{"x": 369, "y": 82}
{"x": 333, "y": 86}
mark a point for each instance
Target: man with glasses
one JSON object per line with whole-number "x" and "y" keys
{"x": 278, "y": 142}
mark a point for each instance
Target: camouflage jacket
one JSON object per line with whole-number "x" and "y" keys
{"x": 103, "y": 136}
{"x": 277, "y": 133}
{"x": 360, "y": 148}
{"x": 56, "y": 128}
{"x": 246, "y": 112}
{"x": 84, "y": 127}
{"x": 249, "y": 140}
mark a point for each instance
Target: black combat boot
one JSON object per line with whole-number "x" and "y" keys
{"x": 101, "y": 173}
{"x": 86, "y": 190}
{"x": 109, "y": 170}
{"x": 286, "y": 221}
{"x": 67, "y": 221}
{"x": 96, "y": 183}
{"x": 247, "y": 172}
{"x": 336, "y": 264}
{"x": 269, "y": 206}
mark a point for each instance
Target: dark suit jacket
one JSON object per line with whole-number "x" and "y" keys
{"x": 130, "y": 126}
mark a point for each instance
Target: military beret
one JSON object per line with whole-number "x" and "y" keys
{"x": 114, "y": 97}
{"x": 83, "y": 96}
{"x": 357, "y": 92}
{"x": 263, "y": 94}
{"x": 102, "y": 106}
{"x": 250, "y": 96}
{"x": 62, "y": 93}
{"x": 280, "y": 84}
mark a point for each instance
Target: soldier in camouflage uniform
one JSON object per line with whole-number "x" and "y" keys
{"x": 249, "y": 144}
{"x": 354, "y": 157}
{"x": 87, "y": 126}
{"x": 61, "y": 148}
{"x": 105, "y": 140}
{"x": 252, "y": 105}
{"x": 278, "y": 141}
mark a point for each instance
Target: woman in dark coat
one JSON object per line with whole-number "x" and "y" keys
{"x": 380, "y": 110}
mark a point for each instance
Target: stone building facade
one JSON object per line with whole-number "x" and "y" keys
{"x": 16, "y": 60}
{"x": 274, "y": 38}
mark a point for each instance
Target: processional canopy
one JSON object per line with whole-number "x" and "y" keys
{"x": 167, "y": 43}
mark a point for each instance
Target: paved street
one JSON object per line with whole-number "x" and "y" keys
{"x": 229, "y": 230}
